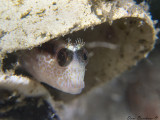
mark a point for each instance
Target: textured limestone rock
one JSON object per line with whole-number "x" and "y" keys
{"x": 21, "y": 97}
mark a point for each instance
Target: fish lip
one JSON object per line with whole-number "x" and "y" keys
{"x": 73, "y": 89}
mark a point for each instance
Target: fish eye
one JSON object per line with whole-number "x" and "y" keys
{"x": 64, "y": 57}
{"x": 83, "y": 55}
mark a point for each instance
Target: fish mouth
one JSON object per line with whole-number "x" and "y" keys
{"x": 71, "y": 82}
{"x": 71, "y": 88}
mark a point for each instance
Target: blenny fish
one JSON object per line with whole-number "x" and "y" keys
{"x": 58, "y": 63}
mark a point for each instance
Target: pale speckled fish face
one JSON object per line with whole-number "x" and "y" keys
{"x": 58, "y": 64}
